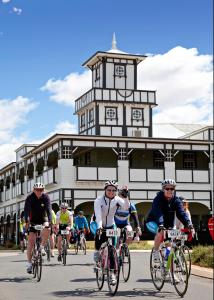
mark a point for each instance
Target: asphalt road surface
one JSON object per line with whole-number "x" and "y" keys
{"x": 76, "y": 280}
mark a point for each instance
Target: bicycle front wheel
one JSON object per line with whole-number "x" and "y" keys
{"x": 179, "y": 273}
{"x": 99, "y": 274}
{"x": 48, "y": 251}
{"x": 113, "y": 275}
{"x": 126, "y": 262}
{"x": 39, "y": 267}
{"x": 187, "y": 255}
{"x": 64, "y": 252}
{"x": 157, "y": 270}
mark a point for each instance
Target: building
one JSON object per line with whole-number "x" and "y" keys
{"x": 114, "y": 142}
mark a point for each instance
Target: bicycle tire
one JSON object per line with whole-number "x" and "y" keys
{"x": 76, "y": 247}
{"x": 113, "y": 288}
{"x": 34, "y": 263}
{"x": 84, "y": 246}
{"x": 126, "y": 261}
{"x": 157, "y": 271}
{"x": 187, "y": 255}
{"x": 39, "y": 267}
{"x": 179, "y": 273}
{"x": 64, "y": 252}
{"x": 48, "y": 251}
{"x": 100, "y": 277}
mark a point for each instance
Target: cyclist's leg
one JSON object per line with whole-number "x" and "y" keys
{"x": 45, "y": 235}
{"x": 59, "y": 244}
{"x": 158, "y": 239}
{"x": 128, "y": 229}
{"x": 31, "y": 242}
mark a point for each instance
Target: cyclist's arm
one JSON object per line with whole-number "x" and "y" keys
{"x": 27, "y": 209}
{"x": 48, "y": 208}
{"x": 134, "y": 215}
{"x": 157, "y": 212}
{"x": 181, "y": 214}
{"x": 85, "y": 223}
{"x": 71, "y": 220}
{"x": 98, "y": 213}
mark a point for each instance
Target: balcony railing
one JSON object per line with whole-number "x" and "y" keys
{"x": 96, "y": 173}
{"x": 98, "y": 94}
{"x": 193, "y": 176}
{"x": 145, "y": 175}
{"x": 48, "y": 177}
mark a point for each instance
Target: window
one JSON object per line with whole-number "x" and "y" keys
{"x": 111, "y": 113}
{"x": 82, "y": 120}
{"x": 137, "y": 114}
{"x": 119, "y": 70}
{"x": 97, "y": 73}
{"x": 91, "y": 115}
{"x": 88, "y": 158}
{"x": 189, "y": 160}
{"x": 66, "y": 152}
{"x": 158, "y": 160}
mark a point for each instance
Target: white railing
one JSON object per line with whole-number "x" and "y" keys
{"x": 193, "y": 176}
{"x": 96, "y": 173}
{"x": 145, "y": 175}
{"x": 30, "y": 184}
{"x": 47, "y": 177}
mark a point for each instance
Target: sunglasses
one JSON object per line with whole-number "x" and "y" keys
{"x": 110, "y": 190}
{"x": 63, "y": 208}
{"x": 39, "y": 190}
{"x": 169, "y": 189}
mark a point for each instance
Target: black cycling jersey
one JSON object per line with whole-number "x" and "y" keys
{"x": 38, "y": 210}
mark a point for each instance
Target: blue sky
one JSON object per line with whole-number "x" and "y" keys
{"x": 43, "y": 43}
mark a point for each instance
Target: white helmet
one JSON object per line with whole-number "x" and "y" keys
{"x": 168, "y": 182}
{"x": 38, "y": 185}
{"x": 111, "y": 183}
{"x": 64, "y": 205}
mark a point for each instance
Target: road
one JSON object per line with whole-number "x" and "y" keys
{"x": 76, "y": 280}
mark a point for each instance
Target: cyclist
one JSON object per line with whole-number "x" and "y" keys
{"x": 123, "y": 214}
{"x": 64, "y": 220}
{"x": 22, "y": 232}
{"x": 52, "y": 233}
{"x": 81, "y": 224}
{"x": 162, "y": 214}
{"x": 37, "y": 211}
{"x": 104, "y": 209}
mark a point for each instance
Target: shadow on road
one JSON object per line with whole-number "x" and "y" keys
{"x": 83, "y": 280}
{"x": 15, "y": 279}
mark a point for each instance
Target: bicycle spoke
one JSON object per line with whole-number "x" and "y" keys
{"x": 126, "y": 262}
{"x": 115, "y": 272}
{"x": 180, "y": 273}
{"x": 157, "y": 271}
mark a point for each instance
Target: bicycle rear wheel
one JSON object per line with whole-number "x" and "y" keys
{"x": 179, "y": 273}
{"x": 126, "y": 262}
{"x": 187, "y": 255}
{"x": 99, "y": 274}
{"x": 39, "y": 267}
{"x": 113, "y": 285}
{"x": 157, "y": 271}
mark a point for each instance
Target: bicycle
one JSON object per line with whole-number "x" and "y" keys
{"x": 175, "y": 267}
{"x": 37, "y": 255}
{"x": 124, "y": 253}
{"x": 103, "y": 266}
{"x": 64, "y": 233}
{"x": 24, "y": 242}
{"x": 186, "y": 237}
{"x": 80, "y": 243}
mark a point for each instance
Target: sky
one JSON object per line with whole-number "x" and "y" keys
{"x": 43, "y": 44}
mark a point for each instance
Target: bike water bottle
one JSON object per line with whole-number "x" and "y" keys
{"x": 167, "y": 253}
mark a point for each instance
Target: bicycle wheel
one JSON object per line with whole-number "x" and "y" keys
{"x": 64, "y": 252}
{"x": 76, "y": 247}
{"x": 187, "y": 255}
{"x": 84, "y": 246}
{"x": 179, "y": 273}
{"x": 126, "y": 262}
{"x": 157, "y": 271}
{"x": 39, "y": 267}
{"x": 48, "y": 251}
{"x": 99, "y": 274}
{"x": 34, "y": 263}
{"x": 113, "y": 285}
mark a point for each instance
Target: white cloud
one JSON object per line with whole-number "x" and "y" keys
{"x": 17, "y": 10}
{"x": 6, "y": 1}
{"x": 67, "y": 90}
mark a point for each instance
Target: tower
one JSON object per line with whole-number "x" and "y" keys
{"x": 114, "y": 106}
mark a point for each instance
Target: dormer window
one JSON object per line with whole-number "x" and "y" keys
{"x": 111, "y": 113}
{"x": 119, "y": 70}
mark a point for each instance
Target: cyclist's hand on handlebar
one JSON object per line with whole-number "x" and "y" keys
{"x": 191, "y": 229}
{"x": 138, "y": 230}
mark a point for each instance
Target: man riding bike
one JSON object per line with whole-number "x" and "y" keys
{"x": 162, "y": 214}
{"x": 104, "y": 209}
{"x": 123, "y": 214}
{"x": 64, "y": 220}
{"x": 37, "y": 211}
{"x": 81, "y": 224}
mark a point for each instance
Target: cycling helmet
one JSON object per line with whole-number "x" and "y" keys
{"x": 80, "y": 212}
{"x": 124, "y": 191}
{"x": 168, "y": 182}
{"x": 38, "y": 185}
{"x": 111, "y": 183}
{"x": 64, "y": 205}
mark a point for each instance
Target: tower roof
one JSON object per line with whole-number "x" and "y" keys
{"x": 112, "y": 53}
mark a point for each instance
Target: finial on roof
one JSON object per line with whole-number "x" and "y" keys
{"x": 114, "y": 42}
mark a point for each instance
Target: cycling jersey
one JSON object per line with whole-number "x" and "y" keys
{"x": 122, "y": 216}
{"x": 163, "y": 211}
{"x": 53, "y": 217}
{"x": 81, "y": 223}
{"x": 105, "y": 209}
{"x": 63, "y": 218}
{"x": 37, "y": 210}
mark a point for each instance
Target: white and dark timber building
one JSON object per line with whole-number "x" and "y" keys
{"x": 114, "y": 142}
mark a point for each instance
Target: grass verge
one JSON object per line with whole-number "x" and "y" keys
{"x": 203, "y": 256}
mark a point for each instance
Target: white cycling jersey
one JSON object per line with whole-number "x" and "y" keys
{"x": 105, "y": 208}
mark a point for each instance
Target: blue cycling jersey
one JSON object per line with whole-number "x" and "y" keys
{"x": 81, "y": 222}
{"x": 122, "y": 216}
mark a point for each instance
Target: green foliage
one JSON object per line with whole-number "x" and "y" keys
{"x": 203, "y": 256}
